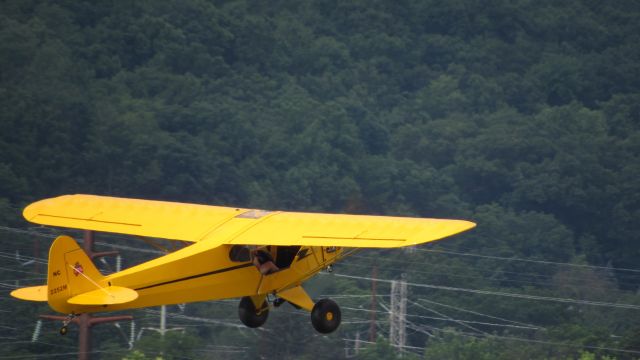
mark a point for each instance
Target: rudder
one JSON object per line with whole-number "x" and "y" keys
{"x": 70, "y": 273}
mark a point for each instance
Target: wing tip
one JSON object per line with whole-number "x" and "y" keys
{"x": 455, "y": 227}
{"x": 467, "y": 225}
{"x": 449, "y": 228}
{"x": 31, "y": 211}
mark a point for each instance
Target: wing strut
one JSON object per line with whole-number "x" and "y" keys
{"x": 297, "y": 296}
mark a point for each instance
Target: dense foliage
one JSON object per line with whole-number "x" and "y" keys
{"x": 523, "y": 116}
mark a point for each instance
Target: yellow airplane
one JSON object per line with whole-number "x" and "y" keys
{"x": 262, "y": 257}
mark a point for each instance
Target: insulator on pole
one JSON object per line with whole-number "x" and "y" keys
{"x": 133, "y": 335}
{"x": 36, "y": 331}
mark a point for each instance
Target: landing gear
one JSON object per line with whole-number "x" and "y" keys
{"x": 249, "y": 315}
{"x": 325, "y": 316}
{"x": 279, "y": 301}
{"x": 65, "y": 324}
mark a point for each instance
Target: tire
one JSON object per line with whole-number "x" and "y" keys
{"x": 325, "y": 316}
{"x": 279, "y": 301}
{"x": 248, "y": 314}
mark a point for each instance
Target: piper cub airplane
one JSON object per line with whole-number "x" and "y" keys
{"x": 222, "y": 261}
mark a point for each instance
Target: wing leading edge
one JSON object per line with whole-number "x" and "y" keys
{"x": 160, "y": 219}
{"x": 308, "y": 229}
{"x": 224, "y": 225}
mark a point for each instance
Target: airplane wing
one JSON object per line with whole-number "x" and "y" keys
{"x": 225, "y": 225}
{"x": 309, "y": 229}
{"x": 160, "y": 219}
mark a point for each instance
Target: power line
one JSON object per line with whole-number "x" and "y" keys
{"x": 449, "y": 319}
{"x": 27, "y": 279}
{"x": 371, "y": 342}
{"x": 463, "y": 323}
{"x": 544, "y": 283}
{"x": 533, "y": 297}
{"x": 448, "y": 252}
{"x": 37, "y": 342}
{"x": 547, "y": 284}
{"x": 342, "y": 296}
{"x": 193, "y": 318}
{"x": 419, "y": 329}
{"x": 492, "y": 270}
{"x": 545, "y": 262}
{"x": 506, "y": 294}
{"x": 51, "y": 236}
{"x": 131, "y": 248}
{"x": 20, "y": 271}
{"x": 544, "y": 342}
{"x": 14, "y": 257}
{"x": 481, "y": 314}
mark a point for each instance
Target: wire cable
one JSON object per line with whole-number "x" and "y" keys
{"x": 507, "y": 294}
{"x": 492, "y": 270}
{"x": 545, "y": 342}
{"x": 545, "y": 262}
{"x": 481, "y": 314}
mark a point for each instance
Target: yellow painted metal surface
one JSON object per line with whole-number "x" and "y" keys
{"x": 32, "y": 293}
{"x": 258, "y": 301}
{"x": 161, "y": 219}
{"x": 195, "y": 273}
{"x": 297, "y": 295}
{"x": 290, "y": 228}
{"x": 222, "y": 225}
{"x": 110, "y": 295}
{"x": 205, "y": 270}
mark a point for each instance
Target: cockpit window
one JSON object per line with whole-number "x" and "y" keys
{"x": 239, "y": 253}
{"x": 254, "y": 214}
{"x": 285, "y": 255}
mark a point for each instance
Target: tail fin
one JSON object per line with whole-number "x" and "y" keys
{"x": 71, "y": 273}
{"x": 74, "y": 281}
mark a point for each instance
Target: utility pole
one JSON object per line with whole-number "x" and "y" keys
{"x": 85, "y": 321}
{"x": 398, "y": 314}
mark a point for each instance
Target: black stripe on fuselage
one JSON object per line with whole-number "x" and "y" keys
{"x": 219, "y": 271}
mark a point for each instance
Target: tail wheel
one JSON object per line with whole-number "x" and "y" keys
{"x": 249, "y": 315}
{"x": 325, "y": 316}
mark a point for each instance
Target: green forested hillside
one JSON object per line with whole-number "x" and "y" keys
{"x": 523, "y": 116}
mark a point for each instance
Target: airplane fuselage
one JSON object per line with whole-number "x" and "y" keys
{"x": 196, "y": 273}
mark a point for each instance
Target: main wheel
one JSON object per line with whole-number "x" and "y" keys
{"x": 325, "y": 316}
{"x": 249, "y": 314}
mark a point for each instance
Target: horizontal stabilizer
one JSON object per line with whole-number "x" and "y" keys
{"x": 32, "y": 293}
{"x": 105, "y": 296}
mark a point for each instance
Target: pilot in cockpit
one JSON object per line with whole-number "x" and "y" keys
{"x": 263, "y": 260}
